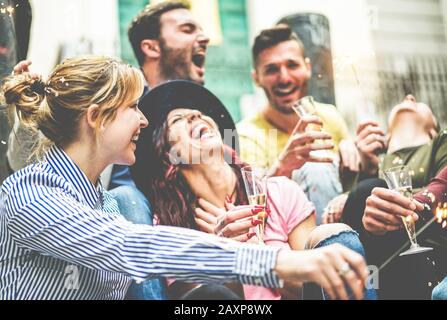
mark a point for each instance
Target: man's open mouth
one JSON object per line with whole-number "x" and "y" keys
{"x": 199, "y": 60}
{"x": 283, "y": 92}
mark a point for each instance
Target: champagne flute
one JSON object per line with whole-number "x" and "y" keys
{"x": 255, "y": 181}
{"x": 306, "y": 107}
{"x": 399, "y": 179}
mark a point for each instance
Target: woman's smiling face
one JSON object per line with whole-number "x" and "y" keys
{"x": 194, "y": 137}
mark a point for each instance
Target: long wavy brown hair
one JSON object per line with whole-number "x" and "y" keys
{"x": 171, "y": 197}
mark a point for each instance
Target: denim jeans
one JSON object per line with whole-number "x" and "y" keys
{"x": 320, "y": 182}
{"x": 135, "y": 207}
{"x": 350, "y": 240}
{"x": 440, "y": 291}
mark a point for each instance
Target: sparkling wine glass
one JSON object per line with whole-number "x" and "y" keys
{"x": 255, "y": 181}
{"x": 399, "y": 179}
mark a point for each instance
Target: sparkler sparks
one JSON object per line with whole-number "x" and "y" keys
{"x": 441, "y": 214}
{"x": 7, "y": 10}
{"x": 429, "y": 195}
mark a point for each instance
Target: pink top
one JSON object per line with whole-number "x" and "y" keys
{"x": 289, "y": 207}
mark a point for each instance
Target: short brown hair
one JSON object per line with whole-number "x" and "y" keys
{"x": 146, "y": 25}
{"x": 268, "y": 38}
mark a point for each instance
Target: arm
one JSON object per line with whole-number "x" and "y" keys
{"x": 440, "y": 157}
{"x": 435, "y": 191}
{"x": 22, "y": 140}
{"x": 297, "y": 241}
{"x": 56, "y": 224}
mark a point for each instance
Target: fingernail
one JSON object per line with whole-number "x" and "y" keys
{"x": 256, "y": 210}
{"x": 255, "y": 222}
{"x": 412, "y": 206}
{"x": 251, "y": 235}
{"x": 227, "y": 199}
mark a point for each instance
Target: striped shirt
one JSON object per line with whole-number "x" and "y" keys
{"x": 63, "y": 238}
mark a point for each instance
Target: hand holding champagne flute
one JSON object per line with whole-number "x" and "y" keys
{"x": 255, "y": 181}
{"x": 399, "y": 179}
{"x": 306, "y": 107}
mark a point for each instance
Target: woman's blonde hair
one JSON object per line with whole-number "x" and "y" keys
{"x": 56, "y": 106}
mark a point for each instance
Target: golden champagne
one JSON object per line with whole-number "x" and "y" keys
{"x": 408, "y": 221}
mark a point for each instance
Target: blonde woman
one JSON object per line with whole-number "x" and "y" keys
{"x": 61, "y": 234}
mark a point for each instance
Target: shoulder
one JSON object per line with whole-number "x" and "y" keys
{"x": 253, "y": 124}
{"x": 31, "y": 184}
{"x": 284, "y": 186}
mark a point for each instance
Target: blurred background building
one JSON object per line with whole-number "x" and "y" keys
{"x": 367, "y": 53}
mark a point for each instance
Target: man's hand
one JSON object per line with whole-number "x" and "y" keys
{"x": 234, "y": 222}
{"x": 299, "y": 146}
{"x": 384, "y": 211}
{"x": 349, "y": 156}
{"x": 370, "y": 141}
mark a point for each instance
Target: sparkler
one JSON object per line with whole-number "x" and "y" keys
{"x": 441, "y": 214}
{"x": 346, "y": 61}
{"x": 7, "y": 10}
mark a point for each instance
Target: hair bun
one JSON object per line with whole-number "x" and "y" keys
{"x": 38, "y": 86}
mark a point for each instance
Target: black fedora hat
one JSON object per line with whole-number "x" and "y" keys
{"x": 158, "y": 103}
{"x": 161, "y": 100}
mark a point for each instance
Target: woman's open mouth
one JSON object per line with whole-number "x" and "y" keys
{"x": 201, "y": 131}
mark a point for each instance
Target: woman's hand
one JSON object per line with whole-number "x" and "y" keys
{"x": 234, "y": 222}
{"x": 334, "y": 210}
{"x": 334, "y": 268}
{"x": 23, "y": 66}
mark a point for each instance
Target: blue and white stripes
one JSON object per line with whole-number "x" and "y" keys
{"x": 55, "y": 245}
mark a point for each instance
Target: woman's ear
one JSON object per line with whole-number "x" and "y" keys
{"x": 92, "y": 116}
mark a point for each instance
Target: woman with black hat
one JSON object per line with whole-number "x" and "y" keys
{"x": 183, "y": 166}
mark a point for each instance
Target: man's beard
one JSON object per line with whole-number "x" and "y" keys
{"x": 173, "y": 63}
{"x": 284, "y": 109}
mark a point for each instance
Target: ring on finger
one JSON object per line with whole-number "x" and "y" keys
{"x": 221, "y": 223}
{"x": 221, "y": 233}
{"x": 345, "y": 268}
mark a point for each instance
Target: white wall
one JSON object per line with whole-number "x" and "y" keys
{"x": 57, "y": 22}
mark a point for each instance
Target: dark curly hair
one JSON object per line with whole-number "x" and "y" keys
{"x": 171, "y": 197}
